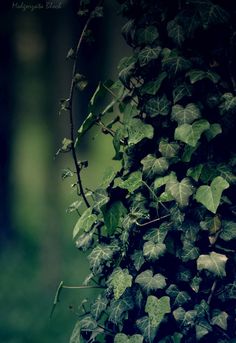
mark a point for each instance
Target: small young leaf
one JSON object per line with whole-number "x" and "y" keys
{"x": 138, "y": 259}
{"x": 122, "y": 338}
{"x": 168, "y": 150}
{"x": 196, "y": 75}
{"x": 181, "y": 91}
{"x": 98, "y": 307}
{"x": 214, "y": 130}
{"x": 176, "y": 32}
{"x": 178, "y": 297}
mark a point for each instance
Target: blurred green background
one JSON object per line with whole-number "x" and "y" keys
{"x": 36, "y": 248}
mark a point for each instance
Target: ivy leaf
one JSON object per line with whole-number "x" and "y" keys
{"x": 228, "y": 230}
{"x": 85, "y": 222}
{"x": 178, "y": 297}
{"x": 212, "y": 225}
{"x": 119, "y": 280}
{"x": 85, "y": 240}
{"x": 138, "y": 130}
{"x": 226, "y": 172}
{"x": 157, "y": 106}
{"x": 209, "y": 196}
{"x": 189, "y": 252}
{"x": 150, "y": 282}
{"x": 157, "y": 235}
{"x": 220, "y": 319}
{"x": 228, "y": 103}
{"x": 190, "y": 134}
{"x": 113, "y": 215}
{"x": 147, "y": 55}
{"x": 98, "y": 307}
{"x": 89, "y": 121}
{"x": 108, "y": 177}
{"x": 183, "y": 318}
{"x": 100, "y": 199}
{"x": 202, "y": 329}
{"x": 196, "y": 75}
{"x": 153, "y": 166}
{"x": 153, "y": 87}
{"x": 75, "y": 336}
{"x": 180, "y": 191}
{"x": 185, "y": 115}
{"x": 161, "y": 181}
{"x": 147, "y": 330}
{"x": 122, "y": 338}
{"x": 212, "y": 14}
{"x": 180, "y": 92}
{"x": 126, "y": 67}
{"x": 147, "y": 35}
{"x": 119, "y": 307}
{"x": 152, "y": 251}
{"x": 99, "y": 255}
{"x": 175, "y": 64}
{"x": 168, "y": 150}
{"x": 213, "y": 262}
{"x": 157, "y": 308}
{"x": 176, "y": 32}
{"x": 138, "y": 259}
{"x": 195, "y": 284}
{"x": 214, "y": 130}
{"x": 195, "y": 172}
{"x": 133, "y": 182}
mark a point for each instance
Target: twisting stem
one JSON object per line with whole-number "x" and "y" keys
{"x": 70, "y": 108}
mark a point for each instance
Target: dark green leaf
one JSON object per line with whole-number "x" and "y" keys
{"x": 228, "y": 230}
{"x": 178, "y": 297}
{"x": 133, "y": 182}
{"x": 196, "y": 75}
{"x": 176, "y": 32}
{"x": 189, "y": 252}
{"x": 190, "y": 134}
{"x": 168, "y": 150}
{"x": 98, "y": 307}
{"x": 147, "y": 35}
{"x": 214, "y": 130}
{"x": 147, "y": 55}
{"x": 157, "y": 235}
{"x": 122, "y": 338}
{"x": 153, "y": 166}
{"x": 138, "y": 259}
{"x": 138, "y": 130}
{"x": 175, "y": 64}
{"x": 153, "y": 87}
{"x": 185, "y": 115}
{"x": 180, "y": 92}
{"x": 119, "y": 307}
{"x": 147, "y": 330}
{"x": 113, "y": 216}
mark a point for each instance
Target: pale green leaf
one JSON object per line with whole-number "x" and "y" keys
{"x": 119, "y": 281}
{"x": 138, "y": 130}
{"x": 168, "y": 150}
{"x": 161, "y": 181}
{"x": 85, "y": 222}
{"x": 190, "y": 134}
{"x": 228, "y": 103}
{"x": 152, "y": 251}
{"x": 185, "y": 115}
{"x": 153, "y": 166}
{"x": 133, "y": 182}
{"x": 122, "y": 338}
{"x": 180, "y": 191}
{"x": 213, "y": 262}
{"x": 108, "y": 177}
{"x": 150, "y": 282}
{"x": 157, "y": 308}
{"x": 202, "y": 329}
{"x": 183, "y": 318}
{"x": 100, "y": 255}
{"x": 220, "y": 318}
{"x": 209, "y": 196}
{"x": 157, "y": 235}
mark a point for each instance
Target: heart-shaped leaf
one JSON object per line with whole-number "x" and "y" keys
{"x": 157, "y": 308}
{"x": 150, "y": 282}
{"x": 190, "y": 134}
{"x": 119, "y": 280}
{"x": 213, "y": 262}
{"x": 180, "y": 191}
{"x": 185, "y": 115}
{"x": 122, "y": 338}
{"x": 210, "y": 196}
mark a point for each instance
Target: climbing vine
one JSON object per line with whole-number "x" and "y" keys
{"x": 161, "y": 232}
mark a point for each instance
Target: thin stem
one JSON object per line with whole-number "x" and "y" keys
{"x": 150, "y": 190}
{"x": 70, "y": 108}
{"x": 212, "y": 292}
{"x": 105, "y": 128}
{"x": 152, "y": 221}
{"x": 81, "y": 287}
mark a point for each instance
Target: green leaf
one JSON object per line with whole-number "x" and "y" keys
{"x": 168, "y": 150}
{"x": 181, "y": 91}
{"x": 161, "y": 181}
{"x": 150, "y": 282}
{"x": 108, "y": 177}
{"x": 85, "y": 222}
{"x": 213, "y": 262}
{"x": 133, "y": 182}
{"x": 147, "y": 55}
{"x": 157, "y": 235}
{"x": 152, "y": 251}
{"x": 138, "y": 259}
{"x": 185, "y": 115}
{"x": 196, "y": 75}
{"x": 157, "y": 308}
{"x": 153, "y": 87}
{"x": 98, "y": 307}
{"x": 195, "y": 284}
{"x": 178, "y": 297}
{"x": 195, "y": 172}
{"x": 113, "y": 216}
{"x": 190, "y": 134}
{"x": 183, "y": 318}
{"x": 99, "y": 255}
{"x": 118, "y": 309}
{"x": 214, "y": 130}
{"x": 119, "y": 280}
{"x": 180, "y": 191}
{"x": 147, "y": 35}
{"x": 122, "y": 338}
{"x": 212, "y": 14}
{"x": 175, "y": 64}
{"x": 89, "y": 121}
{"x": 85, "y": 240}
{"x": 220, "y": 319}
{"x": 209, "y": 196}
{"x": 138, "y": 130}
{"x": 189, "y": 252}
{"x": 157, "y": 106}
{"x": 212, "y": 225}
{"x": 176, "y": 32}
{"x": 228, "y": 103}
{"x": 153, "y": 166}
{"x": 188, "y": 152}
{"x": 202, "y": 329}
{"x": 147, "y": 330}
{"x": 228, "y": 230}
{"x": 75, "y": 336}
{"x": 100, "y": 199}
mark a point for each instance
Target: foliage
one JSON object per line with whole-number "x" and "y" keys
{"x": 161, "y": 234}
